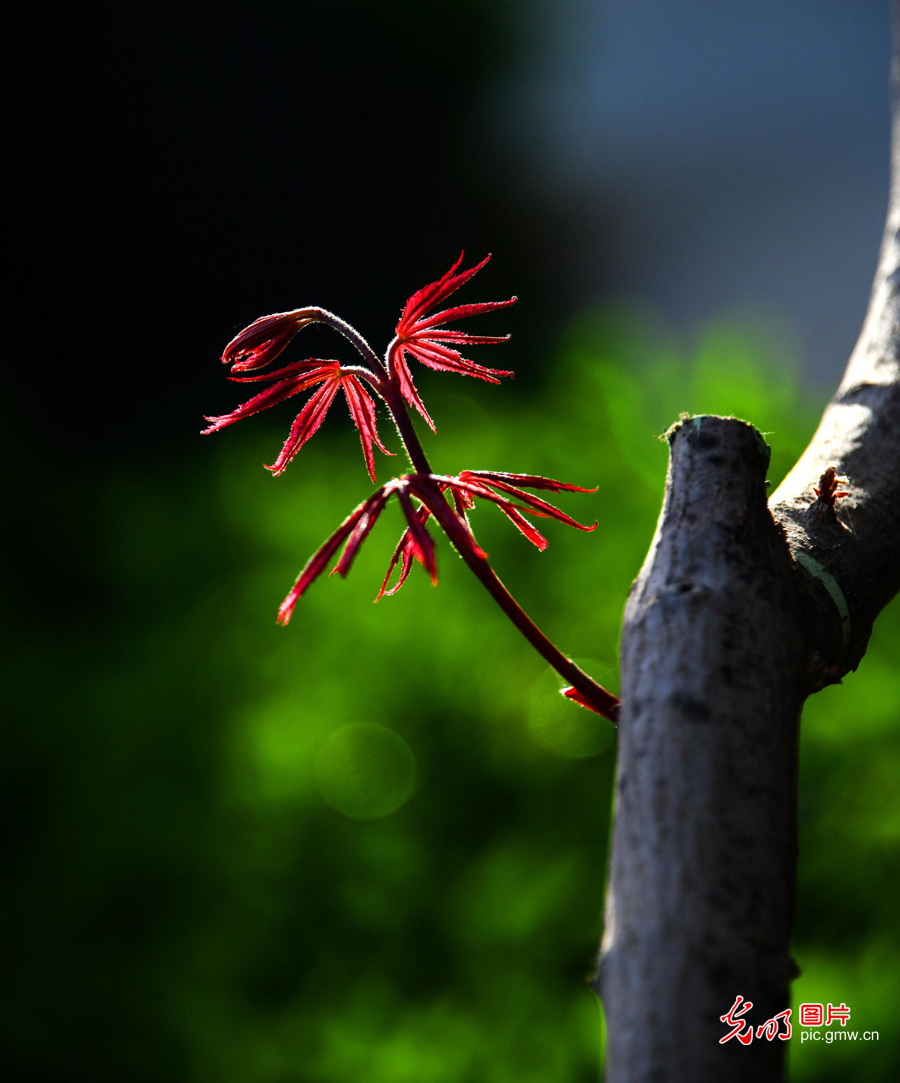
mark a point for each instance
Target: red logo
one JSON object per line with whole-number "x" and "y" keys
{"x": 734, "y": 1017}
{"x": 841, "y": 1012}
{"x": 811, "y": 1015}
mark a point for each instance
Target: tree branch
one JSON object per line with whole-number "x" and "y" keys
{"x": 738, "y": 613}
{"x": 857, "y": 543}
{"x": 703, "y": 853}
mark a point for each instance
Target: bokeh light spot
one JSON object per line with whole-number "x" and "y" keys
{"x": 561, "y": 726}
{"x": 365, "y": 771}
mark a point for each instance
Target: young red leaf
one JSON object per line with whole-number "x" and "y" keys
{"x": 530, "y": 481}
{"x": 435, "y": 292}
{"x": 531, "y": 503}
{"x": 300, "y": 377}
{"x": 362, "y": 411}
{"x": 408, "y": 388}
{"x": 319, "y": 560}
{"x": 404, "y": 553}
{"x": 530, "y": 531}
{"x": 264, "y": 339}
{"x": 417, "y": 334}
{"x": 421, "y": 543}
{"x": 306, "y": 423}
{"x": 374, "y": 507}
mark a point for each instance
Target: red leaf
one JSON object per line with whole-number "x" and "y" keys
{"x": 417, "y": 334}
{"x": 530, "y": 481}
{"x": 362, "y": 411}
{"x": 374, "y": 507}
{"x": 436, "y": 356}
{"x": 293, "y": 369}
{"x": 278, "y": 392}
{"x": 264, "y": 339}
{"x": 403, "y": 553}
{"x": 306, "y": 423}
{"x": 460, "y": 336}
{"x": 421, "y": 543}
{"x": 429, "y": 296}
{"x": 408, "y": 388}
{"x": 462, "y": 312}
{"x": 531, "y": 532}
{"x": 532, "y": 503}
{"x": 319, "y": 560}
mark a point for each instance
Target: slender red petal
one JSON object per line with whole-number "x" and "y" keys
{"x": 306, "y": 424}
{"x": 429, "y": 296}
{"x": 508, "y": 508}
{"x": 461, "y": 312}
{"x": 375, "y": 506}
{"x": 408, "y": 388}
{"x": 462, "y": 337}
{"x": 278, "y": 392}
{"x": 532, "y": 504}
{"x": 530, "y": 531}
{"x": 403, "y": 553}
{"x": 406, "y": 549}
{"x": 444, "y": 359}
{"x": 481, "y": 490}
{"x": 319, "y": 560}
{"x": 362, "y": 411}
{"x": 264, "y": 339}
{"x": 468, "y": 486}
{"x": 421, "y": 542}
{"x": 530, "y": 481}
{"x": 293, "y": 369}
{"x": 417, "y": 334}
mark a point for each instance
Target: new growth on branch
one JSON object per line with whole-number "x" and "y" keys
{"x": 422, "y": 335}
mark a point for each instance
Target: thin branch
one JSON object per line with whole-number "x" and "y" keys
{"x": 738, "y": 613}
{"x": 456, "y": 529}
{"x": 851, "y": 551}
{"x": 601, "y": 700}
{"x": 352, "y": 336}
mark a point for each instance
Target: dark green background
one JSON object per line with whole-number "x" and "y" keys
{"x": 184, "y": 904}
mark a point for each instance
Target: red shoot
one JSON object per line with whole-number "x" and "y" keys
{"x": 422, "y": 336}
{"x": 416, "y": 542}
{"x": 423, "y": 495}
{"x": 298, "y": 377}
{"x": 260, "y": 343}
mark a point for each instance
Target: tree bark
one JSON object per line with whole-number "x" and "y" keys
{"x": 740, "y": 611}
{"x": 703, "y": 855}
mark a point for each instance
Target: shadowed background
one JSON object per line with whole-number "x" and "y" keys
{"x": 374, "y": 842}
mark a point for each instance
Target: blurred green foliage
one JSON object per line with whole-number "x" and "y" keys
{"x": 373, "y": 844}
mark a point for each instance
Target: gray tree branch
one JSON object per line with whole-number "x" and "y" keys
{"x": 740, "y": 611}
{"x": 857, "y": 543}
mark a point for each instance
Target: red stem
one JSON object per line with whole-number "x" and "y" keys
{"x": 457, "y": 530}
{"x": 603, "y": 701}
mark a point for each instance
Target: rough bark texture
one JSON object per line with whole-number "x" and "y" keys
{"x": 703, "y": 856}
{"x": 857, "y": 542}
{"x": 738, "y": 613}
